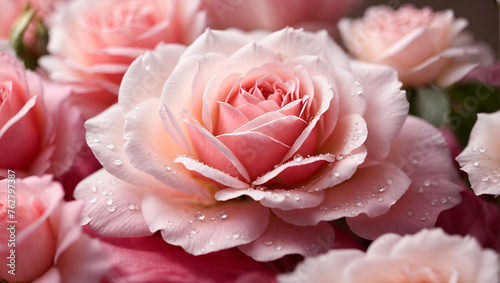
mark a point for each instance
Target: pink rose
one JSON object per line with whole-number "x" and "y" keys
{"x": 277, "y": 14}
{"x": 92, "y": 42}
{"x": 481, "y": 156}
{"x": 422, "y": 45}
{"x": 40, "y": 132}
{"x": 255, "y": 141}
{"x": 41, "y": 237}
{"x": 473, "y": 216}
{"x": 428, "y": 256}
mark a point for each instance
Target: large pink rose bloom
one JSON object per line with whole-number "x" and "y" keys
{"x": 428, "y": 256}
{"x": 481, "y": 158}
{"x": 422, "y": 45}
{"x": 40, "y": 132}
{"x": 277, "y": 14}
{"x": 48, "y": 242}
{"x": 256, "y": 141}
{"x": 92, "y": 42}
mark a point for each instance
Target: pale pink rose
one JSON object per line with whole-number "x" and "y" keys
{"x": 92, "y": 42}
{"x": 257, "y": 140}
{"x": 481, "y": 157}
{"x": 40, "y": 132}
{"x": 276, "y": 14}
{"x": 428, "y": 256}
{"x": 41, "y": 236}
{"x": 475, "y": 216}
{"x": 422, "y": 45}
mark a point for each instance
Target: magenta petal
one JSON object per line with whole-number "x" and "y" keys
{"x": 371, "y": 191}
{"x": 282, "y": 238}
{"x": 421, "y": 152}
{"x": 202, "y": 229}
{"x": 282, "y": 199}
{"x": 149, "y": 259}
{"x": 107, "y": 203}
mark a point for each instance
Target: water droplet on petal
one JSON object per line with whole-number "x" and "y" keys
{"x": 168, "y": 168}
{"x": 221, "y": 215}
{"x": 278, "y": 248}
{"x": 336, "y": 174}
{"x": 382, "y": 189}
{"x": 423, "y": 218}
{"x": 236, "y": 235}
{"x": 96, "y": 140}
{"x": 297, "y": 198}
{"x": 110, "y": 146}
{"x": 132, "y": 206}
{"x": 193, "y": 231}
{"x": 427, "y": 182}
{"x": 389, "y": 181}
{"x": 109, "y": 201}
{"x": 434, "y": 202}
{"x": 475, "y": 164}
{"x": 443, "y": 200}
{"x": 111, "y": 208}
{"x": 211, "y": 243}
{"x": 482, "y": 150}
{"x": 93, "y": 200}
{"x": 268, "y": 243}
{"x": 170, "y": 223}
{"x": 199, "y": 216}
{"x": 485, "y": 178}
{"x": 409, "y": 212}
{"x": 297, "y": 158}
{"x": 414, "y": 161}
{"x": 117, "y": 162}
{"x": 93, "y": 189}
{"x": 147, "y": 67}
{"x": 380, "y": 199}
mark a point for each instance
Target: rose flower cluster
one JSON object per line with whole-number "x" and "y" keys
{"x": 246, "y": 141}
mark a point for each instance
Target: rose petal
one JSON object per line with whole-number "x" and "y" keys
{"x": 387, "y": 107}
{"x": 276, "y": 198}
{"x": 298, "y": 162}
{"x": 281, "y": 239}
{"x": 225, "y": 42}
{"x": 421, "y": 152}
{"x": 201, "y": 229}
{"x": 147, "y": 74}
{"x": 210, "y": 148}
{"x": 481, "y": 158}
{"x": 153, "y": 151}
{"x": 105, "y": 138}
{"x": 112, "y": 205}
{"x": 249, "y": 147}
{"x": 371, "y": 191}
{"x": 211, "y": 173}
